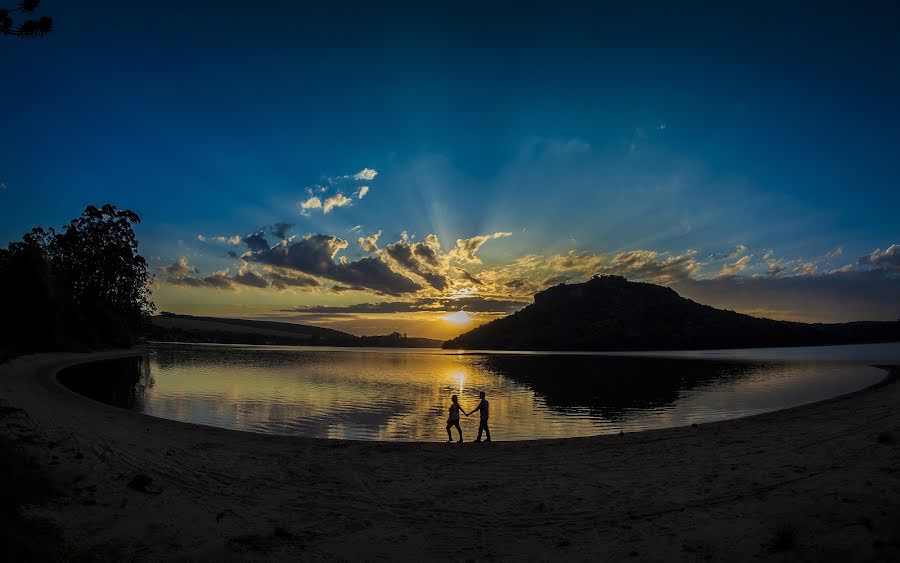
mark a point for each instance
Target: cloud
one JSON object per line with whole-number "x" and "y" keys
{"x": 647, "y": 265}
{"x": 250, "y": 278}
{"x": 283, "y": 280}
{"x": 734, "y": 268}
{"x": 183, "y": 274}
{"x": 738, "y": 250}
{"x": 469, "y": 277}
{"x": 314, "y": 255}
{"x": 836, "y": 253}
{"x": 425, "y": 304}
{"x": 406, "y": 256}
{"x": 337, "y": 200}
{"x": 233, "y": 241}
{"x": 219, "y": 280}
{"x": 362, "y": 191}
{"x": 805, "y": 269}
{"x": 889, "y": 259}
{"x": 307, "y": 206}
{"x": 281, "y": 229}
{"x": 366, "y": 174}
{"x": 467, "y": 247}
{"x": 178, "y": 268}
{"x": 575, "y": 261}
{"x": 256, "y": 242}
{"x": 516, "y": 284}
{"x": 369, "y": 243}
{"x": 555, "y": 279}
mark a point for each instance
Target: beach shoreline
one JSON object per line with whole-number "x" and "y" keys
{"x": 815, "y": 481}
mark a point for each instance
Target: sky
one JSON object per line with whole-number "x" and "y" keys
{"x": 378, "y": 167}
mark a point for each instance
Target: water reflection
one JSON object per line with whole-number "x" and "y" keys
{"x": 611, "y": 386}
{"x": 121, "y": 382}
{"x": 403, "y": 395}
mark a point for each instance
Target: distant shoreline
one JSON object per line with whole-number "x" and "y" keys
{"x": 216, "y": 494}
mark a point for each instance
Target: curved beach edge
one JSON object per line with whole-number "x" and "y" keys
{"x": 815, "y": 481}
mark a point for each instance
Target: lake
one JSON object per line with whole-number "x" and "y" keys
{"x": 404, "y": 394}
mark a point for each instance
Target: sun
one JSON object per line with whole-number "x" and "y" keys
{"x": 458, "y": 318}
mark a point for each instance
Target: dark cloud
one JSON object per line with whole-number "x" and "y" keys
{"x": 314, "y": 255}
{"x": 739, "y": 249}
{"x": 470, "y": 304}
{"x": 284, "y": 281}
{"x": 469, "y": 277}
{"x": 177, "y": 268}
{"x": 280, "y": 229}
{"x": 215, "y": 281}
{"x": 256, "y": 242}
{"x": 426, "y": 253}
{"x": 404, "y": 254}
{"x": 516, "y": 284}
{"x": 555, "y": 280}
{"x": 888, "y": 259}
{"x": 250, "y": 278}
{"x": 342, "y": 289}
{"x": 183, "y": 274}
{"x": 232, "y": 254}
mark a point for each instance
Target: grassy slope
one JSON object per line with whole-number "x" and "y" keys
{"x": 295, "y": 333}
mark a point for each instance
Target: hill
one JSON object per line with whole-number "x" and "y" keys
{"x": 610, "y": 313}
{"x": 168, "y": 327}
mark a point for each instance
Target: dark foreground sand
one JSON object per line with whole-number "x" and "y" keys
{"x": 820, "y": 482}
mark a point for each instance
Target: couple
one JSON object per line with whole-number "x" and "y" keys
{"x": 483, "y": 407}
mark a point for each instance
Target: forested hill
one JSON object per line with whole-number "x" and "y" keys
{"x": 168, "y": 327}
{"x": 611, "y": 313}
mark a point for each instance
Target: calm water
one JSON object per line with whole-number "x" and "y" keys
{"x": 403, "y": 395}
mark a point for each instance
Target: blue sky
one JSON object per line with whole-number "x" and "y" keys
{"x": 700, "y": 132}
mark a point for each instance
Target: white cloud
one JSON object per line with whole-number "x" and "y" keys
{"x": 366, "y": 174}
{"x": 363, "y": 190}
{"x": 311, "y": 203}
{"x": 337, "y": 200}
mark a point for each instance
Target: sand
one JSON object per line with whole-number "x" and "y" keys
{"x": 818, "y": 482}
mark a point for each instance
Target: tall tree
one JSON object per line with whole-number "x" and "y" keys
{"x": 85, "y": 286}
{"x": 31, "y": 27}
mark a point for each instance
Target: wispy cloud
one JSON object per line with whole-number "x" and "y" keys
{"x": 466, "y": 248}
{"x": 836, "y": 253}
{"x": 232, "y": 240}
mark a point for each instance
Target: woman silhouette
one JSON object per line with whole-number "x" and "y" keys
{"x": 453, "y": 419}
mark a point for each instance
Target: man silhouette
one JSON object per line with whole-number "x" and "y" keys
{"x": 484, "y": 408}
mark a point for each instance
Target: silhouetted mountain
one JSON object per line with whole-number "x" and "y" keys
{"x": 611, "y": 313}
{"x": 168, "y": 327}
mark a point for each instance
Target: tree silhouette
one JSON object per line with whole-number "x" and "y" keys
{"x": 85, "y": 286}
{"x": 30, "y": 27}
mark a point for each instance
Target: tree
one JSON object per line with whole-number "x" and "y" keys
{"x": 30, "y": 27}
{"x": 84, "y": 287}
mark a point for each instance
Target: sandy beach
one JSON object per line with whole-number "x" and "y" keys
{"x": 818, "y": 482}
